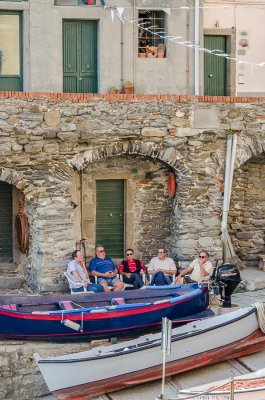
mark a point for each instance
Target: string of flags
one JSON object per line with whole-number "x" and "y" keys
{"x": 119, "y": 12}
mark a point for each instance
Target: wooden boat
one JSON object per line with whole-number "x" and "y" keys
{"x": 107, "y": 368}
{"x": 101, "y": 315}
{"x": 250, "y": 386}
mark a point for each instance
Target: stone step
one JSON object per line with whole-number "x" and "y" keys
{"x": 11, "y": 282}
{"x": 253, "y": 279}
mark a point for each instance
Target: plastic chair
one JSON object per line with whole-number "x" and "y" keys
{"x": 77, "y": 284}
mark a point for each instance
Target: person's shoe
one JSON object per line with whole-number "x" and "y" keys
{"x": 143, "y": 287}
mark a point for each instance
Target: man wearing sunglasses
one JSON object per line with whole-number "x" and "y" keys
{"x": 200, "y": 269}
{"x": 105, "y": 270}
{"x": 132, "y": 270}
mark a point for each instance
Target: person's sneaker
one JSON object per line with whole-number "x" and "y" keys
{"x": 143, "y": 287}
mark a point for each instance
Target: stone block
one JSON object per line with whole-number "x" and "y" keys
{"x": 237, "y": 125}
{"x": 51, "y": 148}
{"x": 205, "y": 118}
{"x": 153, "y": 132}
{"x": 206, "y": 242}
{"x": 33, "y": 148}
{"x": 69, "y": 127}
{"x": 179, "y": 122}
{"x": 184, "y": 132}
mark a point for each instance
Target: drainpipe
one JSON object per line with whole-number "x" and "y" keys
{"x": 196, "y": 50}
{"x": 134, "y": 43}
{"x": 122, "y": 64}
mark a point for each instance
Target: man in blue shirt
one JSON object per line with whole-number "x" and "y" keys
{"x": 105, "y": 270}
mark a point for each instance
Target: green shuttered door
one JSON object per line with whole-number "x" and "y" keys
{"x": 6, "y": 251}
{"x": 215, "y": 68}
{"x": 110, "y": 216}
{"x": 80, "y": 56}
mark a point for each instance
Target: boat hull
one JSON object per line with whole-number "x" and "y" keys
{"x": 105, "y": 322}
{"x": 192, "y": 348}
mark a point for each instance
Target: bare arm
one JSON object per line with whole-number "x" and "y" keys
{"x": 185, "y": 271}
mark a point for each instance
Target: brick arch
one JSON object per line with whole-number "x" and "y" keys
{"x": 169, "y": 155}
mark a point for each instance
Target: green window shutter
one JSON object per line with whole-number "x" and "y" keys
{"x": 110, "y": 216}
{"x": 215, "y": 68}
{"x": 6, "y": 231}
{"x": 79, "y": 56}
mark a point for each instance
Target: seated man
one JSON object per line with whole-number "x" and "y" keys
{"x": 201, "y": 269}
{"x": 162, "y": 267}
{"x": 105, "y": 270}
{"x": 132, "y": 270}
{"x": 77, "y": 271}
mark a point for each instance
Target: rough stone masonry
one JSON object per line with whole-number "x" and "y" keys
{"x": 47, "y": 141}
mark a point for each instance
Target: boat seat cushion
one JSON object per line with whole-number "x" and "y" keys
{"x": 66, "y": 305}
{"x": 117, "y": 300}
{"x": 11, "y": 307}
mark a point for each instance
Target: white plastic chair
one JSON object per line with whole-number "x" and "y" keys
{"x": 76, "y": 284}
{"x": 130, "y": 285}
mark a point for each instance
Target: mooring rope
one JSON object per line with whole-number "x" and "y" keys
{"x": 260, "y": 307}
{"x": 201, "y": 393}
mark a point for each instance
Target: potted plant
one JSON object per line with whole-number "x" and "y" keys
{"x": 161, "y": 50}
{"x": 128, "y": 87}
{"x": 114, "y": 90}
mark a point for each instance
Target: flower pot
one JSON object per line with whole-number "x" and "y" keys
{"x": 160, "y": 54}
{"x": 114, "y": 91}
{"x": 150, "y": 55}
{"x": 142, "y": 55}
{"x": 128, "y": 89}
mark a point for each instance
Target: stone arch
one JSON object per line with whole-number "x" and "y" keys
{"x": 248, "y": 148}
{"x": 12, "y": 177}
{"x": 247, "y": 211}
{"x": 169, "y": 155}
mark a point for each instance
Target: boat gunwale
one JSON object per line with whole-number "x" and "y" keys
{"x": 147, "y": 345}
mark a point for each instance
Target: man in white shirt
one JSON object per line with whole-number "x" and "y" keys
{"x": 162, "y": 268}
{"x": 78, "y": 273}
{"x": 200, "y": 269}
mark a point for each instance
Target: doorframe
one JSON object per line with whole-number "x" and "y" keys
{"x": 89, "y": 203}
{"x": 231, "y": 64}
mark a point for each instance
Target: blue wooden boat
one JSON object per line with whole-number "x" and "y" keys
{"x": 100, "y": 315}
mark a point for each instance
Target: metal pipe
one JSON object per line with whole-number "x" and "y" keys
{"x": 196, "y": 50}
{"x": 122, "y": 51}
{"x": 134, "y": 44}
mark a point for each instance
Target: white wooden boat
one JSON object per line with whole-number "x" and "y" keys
{"x": 107, "y": 368}
{"x": 250, "y": 386}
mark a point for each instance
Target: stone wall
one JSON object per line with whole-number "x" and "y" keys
{"x": 46, "y": 139}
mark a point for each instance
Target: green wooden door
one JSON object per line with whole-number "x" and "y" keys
{"x": 215, "y": 68}
{"x": 10, "y": 51}
{"x": 110, "y": 216}
{"x": 80, "y": 56}
{"x": 6, "y": 245}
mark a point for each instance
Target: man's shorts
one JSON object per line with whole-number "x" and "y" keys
{"x": 109, "y": 281}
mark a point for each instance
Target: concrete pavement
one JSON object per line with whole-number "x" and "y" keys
{"x": 251, "y": 280}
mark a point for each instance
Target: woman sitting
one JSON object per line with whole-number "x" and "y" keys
{"x": 132, "y": 270}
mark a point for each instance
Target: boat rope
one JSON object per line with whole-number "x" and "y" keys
{"x": 201, "y": 393}
{"x": 260, "y": 307}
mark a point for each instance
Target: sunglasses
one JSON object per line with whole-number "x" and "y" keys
{"x": 202, "y": 256}
{"x": 161, "y": 252}
{"x": 129, "y": 254}
{"x": 101, "y": 251}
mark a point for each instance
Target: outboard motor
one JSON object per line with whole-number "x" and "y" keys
{"x": 227, "y": 277}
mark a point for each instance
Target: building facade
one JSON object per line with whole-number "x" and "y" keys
{"x": 69, "y": 46}
{"x": 235, "y": 27}
{"x": 84, "y": 169}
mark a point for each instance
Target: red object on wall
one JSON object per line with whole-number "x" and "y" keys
{"x": 90, "y": 2}
{"x": 171, "y": 184}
